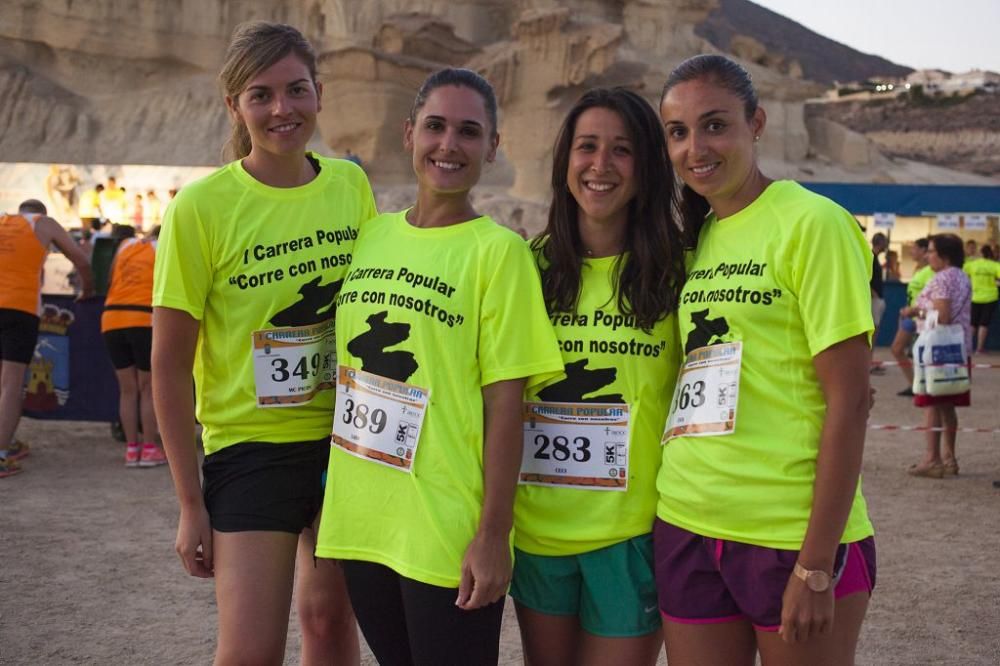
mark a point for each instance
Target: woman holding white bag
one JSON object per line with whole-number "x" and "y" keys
{"x": 949, "y": 292}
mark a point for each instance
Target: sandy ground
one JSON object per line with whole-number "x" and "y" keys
{"x": 89, "y": 576}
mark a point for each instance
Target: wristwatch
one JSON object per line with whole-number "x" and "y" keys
{"x": 816, "y": 580}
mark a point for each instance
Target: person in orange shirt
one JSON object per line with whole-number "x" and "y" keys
{"x": 127, "y": 327}
{"x": 24, "y": 241}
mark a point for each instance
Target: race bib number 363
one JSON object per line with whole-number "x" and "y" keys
{"x": 575, "y": 444}
{"x": 707, "y": 393}
{"x": 293, "y": 363}
{"x": 378, "y": 419}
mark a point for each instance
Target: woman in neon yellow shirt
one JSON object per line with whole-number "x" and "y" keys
{"x": 440, "y": 325}
{"x": 762, "y": 541}
{"x": 984, "y": 273}
{"x": 248, "y": 267}
{"x": 612, "y": 263}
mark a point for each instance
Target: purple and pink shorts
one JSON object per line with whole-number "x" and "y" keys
{"x": 701, "y": 580}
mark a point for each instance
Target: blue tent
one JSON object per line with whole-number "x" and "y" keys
{"x": 911, "y": 200}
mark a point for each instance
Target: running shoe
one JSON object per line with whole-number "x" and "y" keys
{"x": 133, "y": 452}
{"x": 9, "y": 467}
{"x": 152, "y": 456}
{"x": 18, "y": 450}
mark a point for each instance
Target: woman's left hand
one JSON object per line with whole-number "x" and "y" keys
{"x": 804, "y": 613}
{"x": 486, "y": 571}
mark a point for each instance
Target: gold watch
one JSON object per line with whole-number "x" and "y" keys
{"x": 816, "y": 580}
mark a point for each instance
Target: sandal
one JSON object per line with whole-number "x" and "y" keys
{"x": 927, "y": 470}
{"x": 950, "y": 467}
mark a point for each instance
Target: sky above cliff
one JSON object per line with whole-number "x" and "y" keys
{"x": 957, "y": 35}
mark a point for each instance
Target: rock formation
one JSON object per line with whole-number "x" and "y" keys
{"x": 109, "y": 82}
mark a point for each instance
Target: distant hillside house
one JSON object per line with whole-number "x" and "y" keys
{"x": 938, "y": 82}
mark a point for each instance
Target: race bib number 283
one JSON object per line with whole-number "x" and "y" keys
{"x": 576, "y": 445}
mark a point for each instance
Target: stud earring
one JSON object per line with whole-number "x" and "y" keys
{"x": 756, "y": 138}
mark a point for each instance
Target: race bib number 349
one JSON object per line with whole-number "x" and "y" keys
{"x": 707, "y": 393}
{"x": 577, "y": 445}
{"x": 294, "y": 363}
{"x": 378, "y": 419}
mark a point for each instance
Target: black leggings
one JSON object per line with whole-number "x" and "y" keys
{"x": 409, "y": 623}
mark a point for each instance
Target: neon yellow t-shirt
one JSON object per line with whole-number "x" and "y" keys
{"x": 240, "y": 256}
{"x": 983, "y": 273}
{"x": 788, "y": 276}
{"x": 608, "y": 360}
{"x": 90, "y": 205}
{"x": 449, "y": 309}
{"x": 113, "y": 204}
{"x": 917, "y": 284}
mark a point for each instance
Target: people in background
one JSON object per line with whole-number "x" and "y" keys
{"x": 950, "y": 293}
{"x": 891, "y": 268}
{"x": 879, "y": 245}
{"x": 983, "y": 272}
{"x": 127, "y": 329}
{"x": 907, "y": 328}
{"x": 25, "y": 237}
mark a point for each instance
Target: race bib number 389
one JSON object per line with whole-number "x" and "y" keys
{"x": 293, "y": 363}
{"x": 378, "y": 419}
{"x": 577, "y": 445}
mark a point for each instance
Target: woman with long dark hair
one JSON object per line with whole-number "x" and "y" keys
{"x": 611, "y": 261}
{"x": 762, "y": 541}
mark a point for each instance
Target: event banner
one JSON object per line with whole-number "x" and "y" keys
{"x": 70, "y": 376}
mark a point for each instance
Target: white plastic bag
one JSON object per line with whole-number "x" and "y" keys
{"x": 939, "y": 359}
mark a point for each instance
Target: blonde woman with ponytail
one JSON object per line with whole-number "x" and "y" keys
{"x": 250, "y": 263}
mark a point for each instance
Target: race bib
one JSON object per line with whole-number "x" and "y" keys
{"x": 576, "y": 445}
{"x": 378, "y": 419}
{"x": 707, "y": 393}
{"x": 294, "y": 363}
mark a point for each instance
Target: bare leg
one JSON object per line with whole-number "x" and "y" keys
{"x": 150, "y": 431}
{"x": 549, "y": 640}
{"x": 722, "y": 644}
{"x": 933, "y": 420}
{"x": 253, "y": 589}
{"x": 128, "y": 402}
{"x": 833, "y": 649}
{"x": 637, "y": 650}
{"x": 981, "y": 333}
{"x": 949, "y": 419}
{"x": 329, "y": 630}
{"x": 898, "y": 348}
{"x": 11, "y": 399}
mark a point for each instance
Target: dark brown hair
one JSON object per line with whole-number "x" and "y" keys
{"x": 649, "y": 274}
{"x": 725, "y": 73}
{"x": 462, "y": 78}
{"x": 950, "y": 248}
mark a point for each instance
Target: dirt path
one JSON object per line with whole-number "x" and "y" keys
{"x": 89, "y": 576}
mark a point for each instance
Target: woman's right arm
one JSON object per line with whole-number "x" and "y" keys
{"x": 175, "y": 335}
